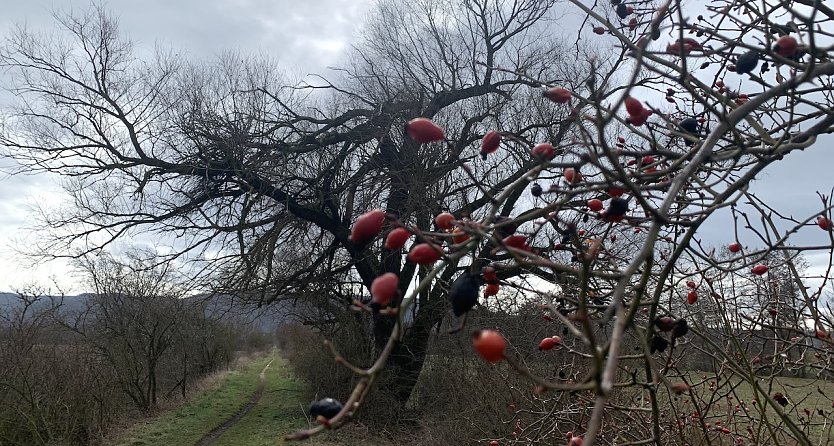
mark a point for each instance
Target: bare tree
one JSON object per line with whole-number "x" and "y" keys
{"x": 131, "y": 322}
{"x": 260, "y": 181}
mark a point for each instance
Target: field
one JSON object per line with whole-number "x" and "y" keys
{"x": 732, "y": 404}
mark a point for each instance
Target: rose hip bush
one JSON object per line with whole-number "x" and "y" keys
{"x": 473, "y": 178}
{"x": 679, "y": 339}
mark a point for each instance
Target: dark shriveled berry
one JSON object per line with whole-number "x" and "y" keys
{"x": 463, "y": 294}
{"x": 689, "y": 125}
{"x": 681, "y": 328}
{"x": 747, "y": 62}
{"x": 664, "y": 323}
{"x": 536, "y": 190}
{"x": 622, "y": 11}
{"x": 658, "y": 344}
{"x": 326, "y": 407}
{"x": 617, "y": 208}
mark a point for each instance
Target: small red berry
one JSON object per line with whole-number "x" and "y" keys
{"x": 571, "y": 175}
{"x": 367, "y": 226}
{"x": 599, "y": 30}
{"x": 490, "y": 142}
{"x": 517, "y": 242}
{"x": 384, "y": 288}
{"x": 424, "y": 254}
{"x": 493, "y": 443}
{"x": 821, "y": 334}
{"x": 734, "y": 247}
{"x": 824, "y": 223}
{"x": 633, "y": 106}
{"x": 547, "y": 344}
{"x": 595, "y": 204}
{"x": 786, "y": 46}
{"x": 759, "y": 269}
{"x": 423, "y": 130}
{"x": 616, "y": 191}
{"x": 489, "y": 344}
{"x": 558, "y": 95}
{"x": 459, "y": 236}
{"x": 396, "y": 239}
{"x": 692, "y": 297}
{"x": 543, "y": 151}
{"x": 444, "y": 221}
{"x": 691, "y": 284}
{"x": 492, "y": 289}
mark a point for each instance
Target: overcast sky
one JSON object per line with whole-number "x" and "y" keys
{"x": 306, "y": 36}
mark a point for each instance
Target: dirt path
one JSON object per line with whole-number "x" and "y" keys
{"x": 215, "y": 433}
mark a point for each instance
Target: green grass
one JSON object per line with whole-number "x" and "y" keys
{"x": 812, "y": 394}
{"x": 281, "y": 410}
{"x": 186, "y": 425}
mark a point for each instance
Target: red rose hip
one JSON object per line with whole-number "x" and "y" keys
{"x": 759, "y": 270}
{"x": 396, "y": 239}
{"x": 489, "y": 344}
{"x": 543, "y": 151}
{"x": 633, "y": 106}
{"x": 595, "y": 204}
{"x": 444, "y": 221}
{"x": 490, "y": 143}
{"x": 558, "y": 95}
{"x": 423, "y": 130}
{"x": 384, "y": 288}
{"x": 367, "y": 226}
{"x": 424, "y": 254}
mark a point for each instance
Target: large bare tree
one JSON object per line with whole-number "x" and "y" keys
{"x": 255, "y": 181}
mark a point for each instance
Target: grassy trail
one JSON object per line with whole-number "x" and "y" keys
{"x": 253, "y": 406}
{"x": 230, "y": 422}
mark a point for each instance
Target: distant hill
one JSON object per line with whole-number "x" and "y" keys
{"x": 222, "y": 307}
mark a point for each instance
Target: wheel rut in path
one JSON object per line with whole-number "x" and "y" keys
{"x": 215, "y": 433}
